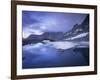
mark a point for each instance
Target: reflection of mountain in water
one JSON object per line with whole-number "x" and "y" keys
{"x": 58, "y": 49}
{"x": 46, "y": 55}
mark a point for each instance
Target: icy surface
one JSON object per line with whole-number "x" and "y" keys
{"x": 67, "y": 44}
{"x": 58, "y": 45}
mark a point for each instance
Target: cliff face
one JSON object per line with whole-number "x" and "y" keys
{"x": 79, "y": 29}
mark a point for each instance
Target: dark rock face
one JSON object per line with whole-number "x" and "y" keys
{"x": 52, "y": 36}
{"x": 79, "y": 28}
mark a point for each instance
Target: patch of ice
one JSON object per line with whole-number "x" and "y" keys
{"x": 31, "y": 46}
{"x": 63, "y": 45}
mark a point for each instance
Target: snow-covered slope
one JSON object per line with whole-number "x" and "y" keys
{"x": 78, "y": 36}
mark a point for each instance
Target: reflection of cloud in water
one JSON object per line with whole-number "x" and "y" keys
{"x": 39, "y": 48}
{"x": 44, "y": 49}
{"x": 47, "y": 55}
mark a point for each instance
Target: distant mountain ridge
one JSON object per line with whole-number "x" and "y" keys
{"x": 52, "y": 36}
{"x": 77, "y": 30}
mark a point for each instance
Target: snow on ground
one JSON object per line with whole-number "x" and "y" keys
{"x": 67, "y": 44}
{"x": 57, "y": 44}
{"x": 78, "y": 36}
{"x": 63, "y": 44}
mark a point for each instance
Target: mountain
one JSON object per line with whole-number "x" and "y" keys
{"x": 77, "y": 33}
{"x": 52, "y": 36}
{"x": 79, "y": 29}
{"x": 79, "y": 37}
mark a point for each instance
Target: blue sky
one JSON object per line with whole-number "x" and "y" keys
{"x": 39, "y": 22}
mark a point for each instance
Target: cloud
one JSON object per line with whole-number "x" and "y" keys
{"x": 35, "y": 22}
{"x": 27, "y": 31}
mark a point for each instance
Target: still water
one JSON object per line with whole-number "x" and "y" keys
{"x": 42, "y": 55}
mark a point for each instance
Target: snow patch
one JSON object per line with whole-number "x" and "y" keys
{"x": 78, "y": 36}
{"x": 63, "y": 44}
{"x": 68, "y": 44}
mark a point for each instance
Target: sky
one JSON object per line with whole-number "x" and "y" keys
{"x": 36, "y": 22}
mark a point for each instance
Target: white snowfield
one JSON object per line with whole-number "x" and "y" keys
{"x": 62, "y": 44}
{"x": 78, "y": 36}
{"x": 67, "y": 44}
